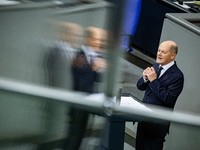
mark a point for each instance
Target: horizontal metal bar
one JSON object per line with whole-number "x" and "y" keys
{"x": 81, "y": 8}
{"x": 86, "y": 101}
{"x": 28, "y": 6}
{"x": 159, "y": 114}
{"x": 76, "y": 98}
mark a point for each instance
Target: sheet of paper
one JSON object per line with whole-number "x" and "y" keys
{"x": 126, "y": 101}
{"x": 130, "y": 102}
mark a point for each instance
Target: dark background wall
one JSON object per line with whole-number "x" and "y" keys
{"x": 149, "y": 28}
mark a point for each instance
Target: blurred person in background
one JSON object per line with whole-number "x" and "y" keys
{"x": 162, "y": 83}
{"x": 87, "y": 67}
{"x": 64, "y": 40}
{"x": 89, "y": 63}
{"x": 62, "y": 53}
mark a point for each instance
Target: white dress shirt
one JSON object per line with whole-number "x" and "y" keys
{"x": 165, "y": 67}
{"x": 89, "y": 52}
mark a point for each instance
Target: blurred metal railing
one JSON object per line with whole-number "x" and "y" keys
{"x": 112, "y": 76}
{"x": 83, "y": 7}
{"x": 86, "y": 103}
{"x": 98, "y": 106}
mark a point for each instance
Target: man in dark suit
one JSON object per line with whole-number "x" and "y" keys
{"x": 89, "y": 63}
{"x": 161, "y": 90}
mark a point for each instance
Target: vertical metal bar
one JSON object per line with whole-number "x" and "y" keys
{"x": 116, "y": 127}
{"x": 114, "y": 27}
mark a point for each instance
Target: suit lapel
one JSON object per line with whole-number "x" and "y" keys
{"x": 168, "y": 73}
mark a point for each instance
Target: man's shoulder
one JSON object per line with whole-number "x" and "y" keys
{"x": 156, "y": 65}
{"x": 177, "y": 71}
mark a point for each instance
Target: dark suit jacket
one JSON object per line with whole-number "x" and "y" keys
{"x": 162, "y": 92}
{"x": 83, "y": 76}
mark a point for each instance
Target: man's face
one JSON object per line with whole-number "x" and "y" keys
{"x": 95, "y": 41}
{"x": 164, "y": 55}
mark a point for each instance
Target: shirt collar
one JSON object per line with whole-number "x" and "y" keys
{"x": 165, "y": 67}
{"x": 89, "y": 51}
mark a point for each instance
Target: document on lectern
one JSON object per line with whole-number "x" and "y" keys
{"x": 129, "y": 101}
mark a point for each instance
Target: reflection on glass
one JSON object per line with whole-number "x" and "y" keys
{"x": 29, "y": 122}
{"x": 76, "y": 61}
{"x": 62, "y": 52}
{"x": 76, "y": 58}
{"x": 89, "y": 62}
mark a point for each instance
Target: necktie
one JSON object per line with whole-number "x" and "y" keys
{"x": 158, "y": 71}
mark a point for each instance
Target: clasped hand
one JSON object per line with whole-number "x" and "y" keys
{"x": 98, "y": 64}
{"x": 149, "y": 74}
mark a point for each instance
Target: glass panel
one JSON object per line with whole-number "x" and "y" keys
{"x": 44, "y": 46}
{"x": 32, "y": 122}
{"x": 39, "y": 45}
